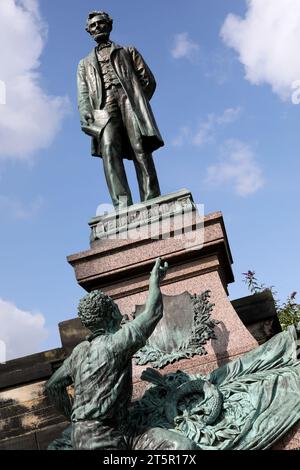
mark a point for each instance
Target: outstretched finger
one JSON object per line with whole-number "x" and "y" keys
{"x": 157, "y": 264}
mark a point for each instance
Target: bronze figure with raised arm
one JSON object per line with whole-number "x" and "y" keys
{"x": 101, "y": 372}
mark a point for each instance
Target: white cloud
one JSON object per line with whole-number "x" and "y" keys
{"x": 205, "y": 133}
{"x": 219, "y": 65}
{"x": 184, "y": 47}
{"x": 229, "y": 115}
{"x": 207, "y": 129}
{"x": 2, "y": 92}
{"x": 184, "y": 134}
{"x": 267, "y": 41}
{"x": 237, "y": 167}
{"x": 19, "y": 210}
{"x": 21, "y": 332}
{"x": 31, "y": 118}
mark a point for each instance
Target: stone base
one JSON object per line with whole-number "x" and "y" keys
{"x": 144, "y": 219}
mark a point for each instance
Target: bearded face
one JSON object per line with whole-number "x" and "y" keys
{"x": 99, "y": 29}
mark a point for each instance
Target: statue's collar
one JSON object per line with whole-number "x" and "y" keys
{"x": 93, "y": 54}
{"x": 96, "y": 333}
{"x": 104, "y": 45}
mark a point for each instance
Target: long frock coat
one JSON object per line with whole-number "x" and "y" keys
{"x": 138, "y": 83}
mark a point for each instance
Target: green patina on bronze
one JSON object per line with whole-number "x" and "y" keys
{"x": 247, "y": 404}
{"x": 202, "y": 331}
{"x": 100, "y": 370}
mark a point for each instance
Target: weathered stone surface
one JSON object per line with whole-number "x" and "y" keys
{"x": 47, "y": 435}
{"x": 290, "y": 441}
{"x": 255, "y": 307}
{"x": 72, "y": 332}
{"x": 23, "y": 410}
{"x": 29, "y": 421}
{"x": 29, "y": 368}
{"x": 259, "y": 314}
{"x": 136, "y": 219}
{"x": 37, "y": 440}
{"x": 124, "y": 265}
{"x": 23, "y": 442}
{"x": 24, "y": 375}
{"x": 12, "y": 410}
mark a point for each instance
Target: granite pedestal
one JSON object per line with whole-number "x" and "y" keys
{"x": 199, "y": 258}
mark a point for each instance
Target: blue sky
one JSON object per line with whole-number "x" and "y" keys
{"x": 223, "y": 105}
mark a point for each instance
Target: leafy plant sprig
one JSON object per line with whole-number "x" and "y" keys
{"x": 288, "y": 312}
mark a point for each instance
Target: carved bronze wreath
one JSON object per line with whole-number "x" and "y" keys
{"x": 202, "y": 331}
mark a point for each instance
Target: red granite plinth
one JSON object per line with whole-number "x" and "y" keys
{"x": 121, "y": 269}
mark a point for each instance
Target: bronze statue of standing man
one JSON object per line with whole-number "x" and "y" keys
{"x": 114, "y": 88}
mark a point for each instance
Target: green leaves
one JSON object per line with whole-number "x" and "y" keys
{"x": 288, "y": 312}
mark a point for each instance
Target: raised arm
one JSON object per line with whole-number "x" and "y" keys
{"x": 133, "y": 336}
{"x": 153, "y": 312}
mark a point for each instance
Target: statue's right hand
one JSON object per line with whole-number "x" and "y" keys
{"x": 88, "y": 118}
{"x": 158, "y": 272}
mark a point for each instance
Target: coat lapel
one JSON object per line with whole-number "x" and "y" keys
{"x": 92, "y": 58}
{"x": 114, "y": 47}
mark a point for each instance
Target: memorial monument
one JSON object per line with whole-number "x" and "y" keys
{"x": 234, "y": 406}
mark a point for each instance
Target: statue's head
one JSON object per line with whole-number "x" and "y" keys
{"x": 97, "y": 310}
{"x": 99, "y": 26}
